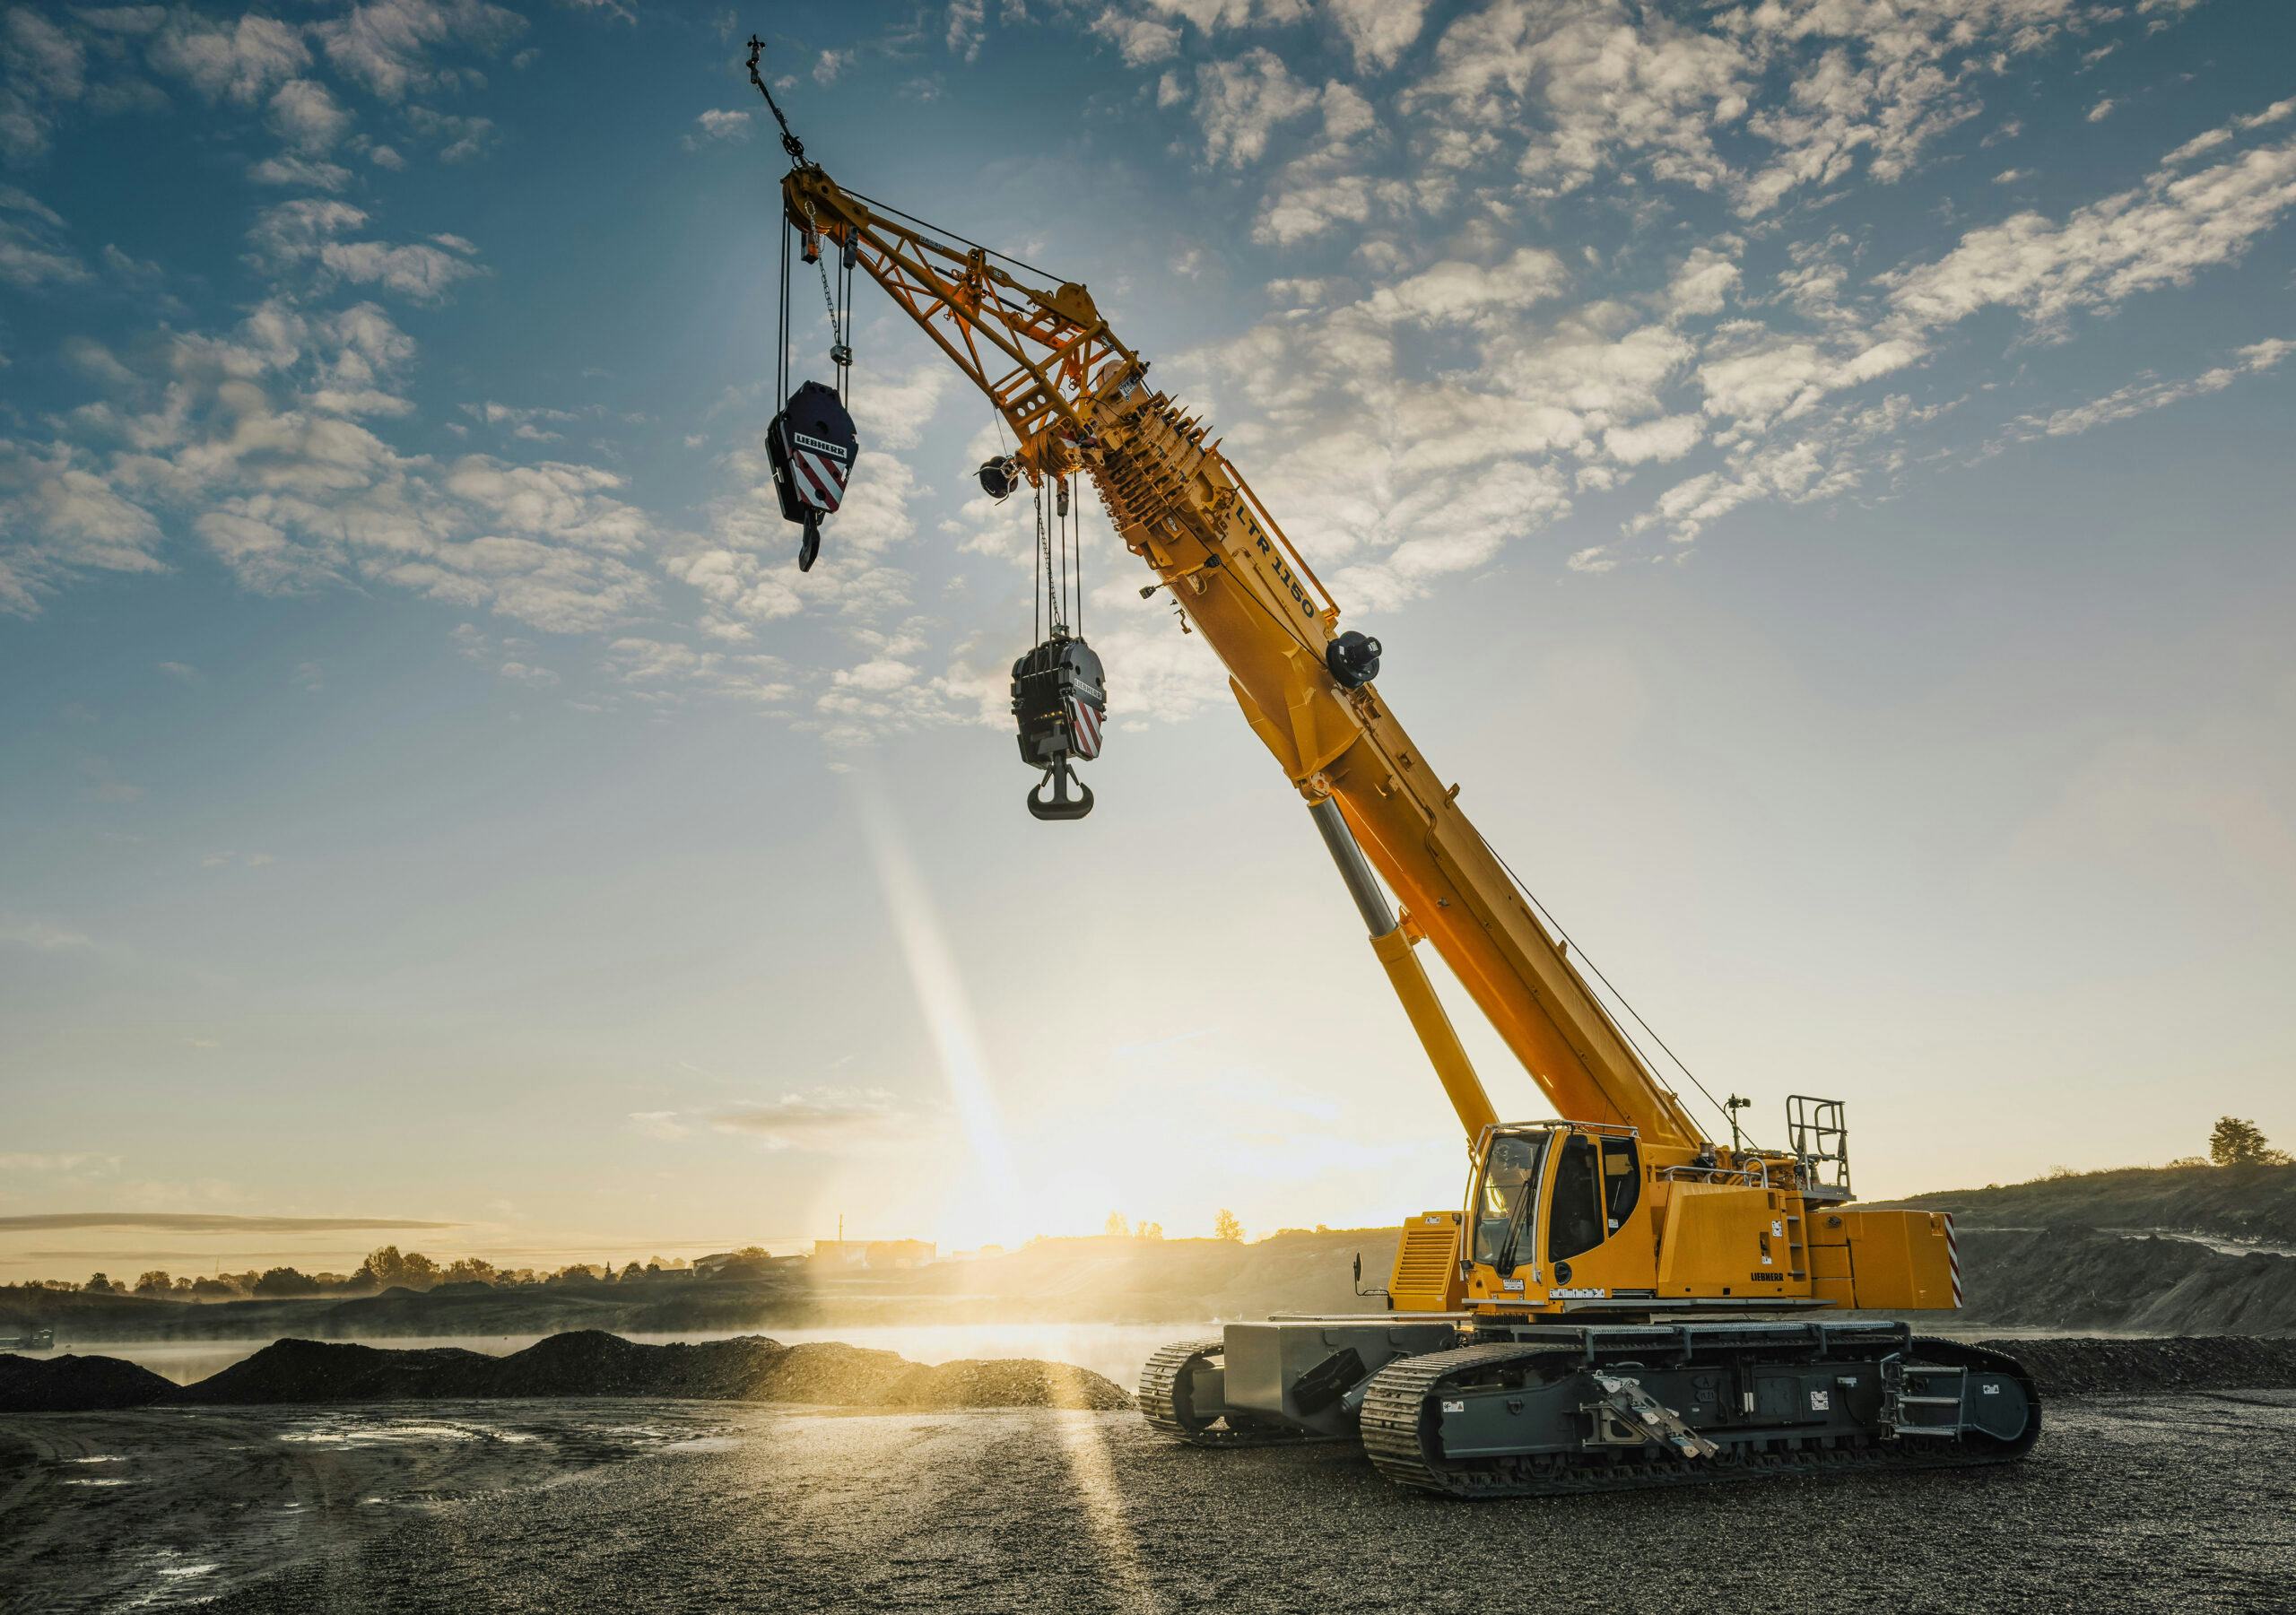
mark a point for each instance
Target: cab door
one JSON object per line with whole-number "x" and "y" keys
{"x": 1597, "y": 1236}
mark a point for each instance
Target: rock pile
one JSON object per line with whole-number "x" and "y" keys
{"x": 2094, "y": 1368}
{"x": 1005, "y": 1383}
{"x": 69, "y": 1384}
{"x": 583, "y": 1363}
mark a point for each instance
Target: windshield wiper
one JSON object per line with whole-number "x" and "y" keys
{"x": 1515, "y": 1224}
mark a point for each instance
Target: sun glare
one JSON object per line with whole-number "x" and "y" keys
{"x": 984, "y": 1203}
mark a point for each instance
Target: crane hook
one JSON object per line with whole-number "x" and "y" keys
{"x": 1062, "y": 805}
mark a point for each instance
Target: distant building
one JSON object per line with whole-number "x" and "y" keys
{"x": 877, "y": 1253}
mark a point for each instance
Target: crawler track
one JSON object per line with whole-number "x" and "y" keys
{"x": 1400, "y": 1435}
{"x": 1165, "y": 1403}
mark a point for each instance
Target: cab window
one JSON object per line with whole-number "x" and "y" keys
{"x": 1576, "y": 1222}
{"x": 1621, "y": 1183}
{"x": 1510, "y": 1173}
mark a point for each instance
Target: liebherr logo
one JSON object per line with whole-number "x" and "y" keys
{"x": 817, "y": 446}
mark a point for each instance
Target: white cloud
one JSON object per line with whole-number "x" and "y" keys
{"x": 46, "y": 69}
{"x": 2142, "y": 397}
{"x": 1241, "y": 100}
{"x": 1669, "y": 437}
{"x": 1587, "y": 90}
{"x": 2160, "y": 233}
{"x": 1702, "y": 285}
{"x": 719, "y": 124}
{"x": 1378, "y": 30}
{"x": 965, "y": 19}
{"x": 1142, "y": 41}
{"x": 386, "y": 45}
{"x": 836, "y": 1120}
{"x": 237, "y": 62}
{"x": 60, "y": 519}
{"x": 306, "y": 117}
{"x": 289, "y": 169}
{"x": 250, "y": 439}
{"x": 889, "y": 411}
{"x": 459, "y": 136}
{"x": 19, "y": 931}
{"x": 308, "y": 230}
{"x": 33, "y": 251}
{"x": 1452, "y": 291}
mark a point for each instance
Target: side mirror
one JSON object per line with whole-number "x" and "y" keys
{"x": 1359, "y": 1268}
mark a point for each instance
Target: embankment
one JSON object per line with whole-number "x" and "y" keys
{"x": 756, "y": 1369}
{"x": 585, "y": 1364}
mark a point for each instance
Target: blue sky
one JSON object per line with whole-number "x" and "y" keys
{"x": 1820, "y": 469}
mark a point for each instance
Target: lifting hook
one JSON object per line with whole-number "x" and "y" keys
{"x": 1062, "y": 805}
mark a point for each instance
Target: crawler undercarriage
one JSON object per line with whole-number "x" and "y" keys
{"x": 1467, "y": 1407}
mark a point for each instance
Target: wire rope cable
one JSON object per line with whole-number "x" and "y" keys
{"x": 1626, "y": 1003}
{"x": 887, "y": 207}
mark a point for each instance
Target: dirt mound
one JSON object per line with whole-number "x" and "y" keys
{"x": 1003, "y": 1383}
{"x": 2079, "y": 1279}
{"x": 327, "y": 1371}
{"x": 70, "y": 1383}
{"x": 831, "y": 1372}
{"x": 590, "y": 1362}
{"x": 2256, "y": 1202}
{"x": 2078, "y": 1368}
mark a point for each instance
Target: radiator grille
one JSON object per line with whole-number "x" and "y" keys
{"x": 1425, "y": 1265}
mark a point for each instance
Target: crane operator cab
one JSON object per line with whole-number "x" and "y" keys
{"x": 1547, "y": 1196}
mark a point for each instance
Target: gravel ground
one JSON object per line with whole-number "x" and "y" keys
{"x": 2179, "y": 1503}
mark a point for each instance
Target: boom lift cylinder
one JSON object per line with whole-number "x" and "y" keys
{"x": 1406, "y": 975}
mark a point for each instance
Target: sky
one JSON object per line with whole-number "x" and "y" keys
{"x": 1819, "y": 470}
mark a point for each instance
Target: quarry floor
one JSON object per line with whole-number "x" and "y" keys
{"x": 2184, "y": 1503}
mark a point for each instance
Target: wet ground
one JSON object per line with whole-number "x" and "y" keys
{"x": 2182, "y": 1503}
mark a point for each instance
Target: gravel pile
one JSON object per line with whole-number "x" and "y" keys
{"x": 1003, "y": 1383}
{"x": 69, "y": 1384}
{"x": 584, "y": 1363}
{"x": 2084, "y": 1367}
{"x": 590, "y": 1362}
{"x": 832, "y": 1373}
{"x": 327, "y": 1371}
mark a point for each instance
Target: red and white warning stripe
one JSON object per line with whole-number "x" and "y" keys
{"x": 819, "y": 479}
{"x": 1953, "y": 1257}
{"x": 1083, "y": 727}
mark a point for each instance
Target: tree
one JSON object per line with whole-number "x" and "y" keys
{"x": 154, "y": 1283}
{"x": 471, "y": 1270}
{"x": 1226, "y": 1227}
{"x": 1149, "y": 1230}
{"x": 2234, "y": 1142}
{"x": 284, "y": 1282}
{"x": 98, "y": 1285}
{"x": 1117, "y": 1228}
{"x": 386, "y": 1267}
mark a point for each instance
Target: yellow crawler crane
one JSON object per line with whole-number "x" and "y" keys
{"x": 1620, "y": 1301}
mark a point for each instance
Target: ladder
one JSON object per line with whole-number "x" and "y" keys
{"x": 1920, "y": 1399}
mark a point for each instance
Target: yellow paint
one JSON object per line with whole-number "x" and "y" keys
{"x": 1709, "y": 1224}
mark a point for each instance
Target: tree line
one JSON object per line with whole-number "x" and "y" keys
{"x": 386, "y": 1268}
